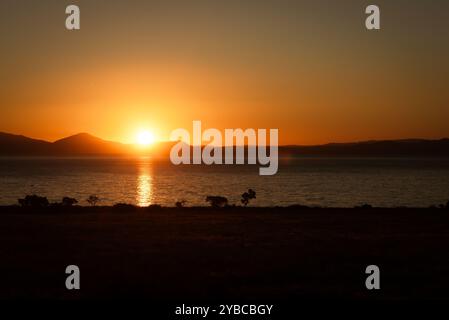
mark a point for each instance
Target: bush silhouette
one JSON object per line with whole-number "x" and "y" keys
{"x": 217, "y": 201}
{"x": 34, "y": 201}
{"x": 68, "y": 202}
{"x": 180, "y": 204}
{"x": 247, "y": 196}
{"x": 92, "y": 200}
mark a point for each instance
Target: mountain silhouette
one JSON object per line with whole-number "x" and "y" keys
{"x": 11, "y": 144}
{"x": 84, "y": 144}
{"x": 79, "y": 144}
{"x": 390, "y": 148}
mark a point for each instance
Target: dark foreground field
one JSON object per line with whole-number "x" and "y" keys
{"x": 202, "y": 253}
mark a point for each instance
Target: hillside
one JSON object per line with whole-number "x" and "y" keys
{"x": 79, "y": 144}
{"x": 88, "y": 145}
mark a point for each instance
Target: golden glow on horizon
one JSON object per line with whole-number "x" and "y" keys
{"x": 145, "y": 138}
{"x": 274, "y": 74}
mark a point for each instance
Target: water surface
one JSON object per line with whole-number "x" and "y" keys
{"x": 339, "y": 182}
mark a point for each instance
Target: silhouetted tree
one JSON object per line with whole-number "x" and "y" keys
{"x": 217, "y": 201}
{"x": 68, "y": 202}
{"x": 247, "y": 196}
{"x": 34, "y": 201}
{"x": 180, "y": 204}
{"x": 92, "y": 200}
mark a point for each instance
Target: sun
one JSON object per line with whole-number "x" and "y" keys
{"x": 145, "y": 138}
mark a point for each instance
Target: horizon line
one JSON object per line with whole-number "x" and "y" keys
{"x": 191, "y": 145}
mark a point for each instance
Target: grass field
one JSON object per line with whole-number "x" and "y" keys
{"x": 235, "y": 253}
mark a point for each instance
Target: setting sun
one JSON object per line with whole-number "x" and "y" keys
{"x": 145, "y": 138}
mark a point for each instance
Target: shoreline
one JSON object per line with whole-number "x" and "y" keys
{"x": 130, "y": 208}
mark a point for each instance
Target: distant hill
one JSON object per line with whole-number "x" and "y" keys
{"x": 11, "y": 144}
{"x": 79, "y": 144}
{"x": 84, "y": 144}
{"x": 390, "y": 148}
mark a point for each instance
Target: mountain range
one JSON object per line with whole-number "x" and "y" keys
{"x": 84, "y": 144}
{"x": 79, "y": 144}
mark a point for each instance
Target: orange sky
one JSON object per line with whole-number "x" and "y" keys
{"x": 308, "y": 68}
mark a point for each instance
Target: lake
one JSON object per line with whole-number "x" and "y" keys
{"x": 336, "y": 182}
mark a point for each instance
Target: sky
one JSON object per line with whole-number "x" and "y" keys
{"x": 307, "y": 68}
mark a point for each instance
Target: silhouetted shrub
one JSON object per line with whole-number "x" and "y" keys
{"x": 92, "y": 200}
{"x": 68, "y": 202}
{"x": 217, "y": 201}
{"x": 180, "y": 204}
{"x": 444, "y": 206}
{"x": 34, "y": 201}
{"x": 247, "y": 196}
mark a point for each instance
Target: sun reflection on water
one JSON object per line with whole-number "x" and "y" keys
{"x": 144, "y": 184}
